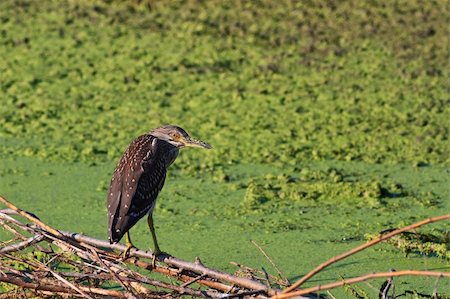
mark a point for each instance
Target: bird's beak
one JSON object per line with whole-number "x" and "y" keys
{"x": 190, "y": 142}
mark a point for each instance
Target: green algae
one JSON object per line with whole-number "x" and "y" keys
{"x": 215, "y": 221}
{"x": 436, "y": 243}
{"x": 83, "y": 94}
{"x": 329, "y": 123}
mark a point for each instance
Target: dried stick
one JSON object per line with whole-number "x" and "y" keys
{"x": 245, "y": 270}
{"x": 4, "y": 216}
{"x": 68, "y": 283}
{"x": 169, "y": 260}
{"x": 57, "y": 288}
{"x": 273, "y": 264}
{"x": 175, "y": 262}
{"x": 242, "y": 294}
{"x": 23, "y": 244}
{"x": 359, "y": 279}
{"x": 362, "y": 247}
{"x": 113, "y": 273}
{"x": 12, "y": 230}
{"x": 180, "y": 276}
{"x": 183, "y": 290}
{"x": 188, "y": 283}
{"x": 30, "y": 217}
{"x": 94, "y": 258}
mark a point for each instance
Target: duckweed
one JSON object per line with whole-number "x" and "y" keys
{"x": 329, "y": 121}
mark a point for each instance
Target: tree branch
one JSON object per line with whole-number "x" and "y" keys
{"x": 359, "y": 279}
{"x": 97, "y": 262}
{"x": 22, "y": 245}
{"x": 360, "y": 248}
{"x": 100, "y": 261}
{"x": 21, "y": 282}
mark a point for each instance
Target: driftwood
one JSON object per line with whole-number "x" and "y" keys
{"x": 45, "y": 262}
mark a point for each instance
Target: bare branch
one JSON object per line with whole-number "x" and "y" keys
{"x": 22, "y": 245}
{"x": 270, "y": 261}
{"x": 96, "y": 262}
{"x": 66, "y": 282}
{"x": 359, "y": 279}
{"x": 362, "y": 247}
{"x": 57, "y": 288}
{"x": 174, "y": 262}
{"x": 30, "y": 217}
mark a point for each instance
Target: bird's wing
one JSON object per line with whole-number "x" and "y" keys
{"x": 135, "y": 185}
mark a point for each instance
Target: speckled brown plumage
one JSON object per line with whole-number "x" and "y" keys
{"x": 136, "y": 182}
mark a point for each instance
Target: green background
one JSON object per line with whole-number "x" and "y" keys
{"x": 329, "y": 122}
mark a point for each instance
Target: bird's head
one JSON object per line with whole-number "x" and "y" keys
{"x": 177, "y": 137}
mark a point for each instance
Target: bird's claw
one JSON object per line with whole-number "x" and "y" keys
{"x": 158, "y": 255}
{"x": 154, "y": 261}
{"x": 155, "y": 255}
{"x": 126, "y": 254}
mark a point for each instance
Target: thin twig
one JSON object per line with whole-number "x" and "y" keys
{"x": 384, "y": 291}
{"x": 183, "y": 290}
{"x": 435, "y": 290}
{"x": 22, "y": 245}
{"x": 57, "y": 288}
{"x": 97, "y": 261}
{"x": 175, "y": 262}
{"x": 243, "y": 294}
{"x": 187, "y": 283}
{"x": 12, "y": 230}
{"x": 254, "y": 273}
{"x": 362, "y": 247}
{"x": 31, "y": 217}
{"x": 266, "y": 276}
{"x": 270, "y": 261}
{"x": 359, "y": 279}
{"x": 114, "y": 274}
{"x": 68, "y": 283}
{"x": 173, "y": 273}
{"x": 4, "y": 215}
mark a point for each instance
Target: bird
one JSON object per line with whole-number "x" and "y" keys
{"x": 139, "y": 178}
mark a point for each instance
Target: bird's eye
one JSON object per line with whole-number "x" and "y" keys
{"x": 174, "y": 136}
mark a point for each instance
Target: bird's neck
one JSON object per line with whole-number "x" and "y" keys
{"x": 167, "y": 152}
{"x": 172, "y": 156}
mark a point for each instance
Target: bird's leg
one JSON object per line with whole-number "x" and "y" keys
{"x": 157, "y": 251}
{"x": 129, "y": 245}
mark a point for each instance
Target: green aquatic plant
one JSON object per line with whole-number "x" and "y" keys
{"x": 282, "y": 89}
{"x": 328, "y": 119}
{"x": 434, "y": 244}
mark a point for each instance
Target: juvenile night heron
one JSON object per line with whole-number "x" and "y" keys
{"x": 139, "y": 177}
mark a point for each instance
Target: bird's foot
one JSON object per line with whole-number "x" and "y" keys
{"x": 156, "y": 252}
{"x": 126, "y": 254}
{"x": 158, "y": 255}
